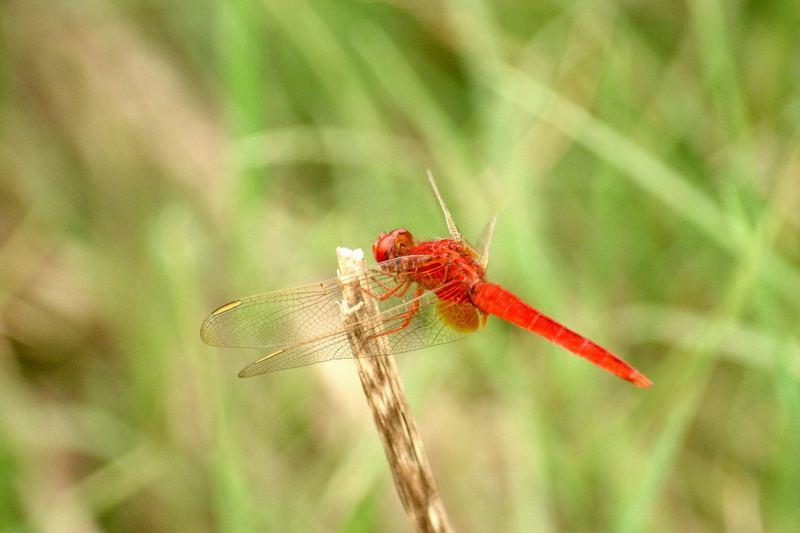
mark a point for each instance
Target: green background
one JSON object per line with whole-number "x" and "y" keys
{"x": 160, "y": 159}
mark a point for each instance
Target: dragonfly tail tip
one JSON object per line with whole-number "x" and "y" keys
{"x": 639, "y": 380}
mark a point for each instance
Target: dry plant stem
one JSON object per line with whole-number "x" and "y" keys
{"x": 390, "y": 409}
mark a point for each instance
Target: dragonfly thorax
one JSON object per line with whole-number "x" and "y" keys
{"x": 449, "y": 263}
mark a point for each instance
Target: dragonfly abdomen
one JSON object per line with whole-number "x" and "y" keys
{"x": 497, "y": 301}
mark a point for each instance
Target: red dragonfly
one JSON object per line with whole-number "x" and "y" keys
{"x": 450, "y": 299}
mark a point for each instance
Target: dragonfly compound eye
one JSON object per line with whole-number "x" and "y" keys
{"x": 382, "y": 247}
{"x": 403, "y": 242}
{"x": 393, "y": 244}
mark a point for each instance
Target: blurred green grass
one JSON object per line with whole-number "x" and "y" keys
{"x": 159, "y": 160}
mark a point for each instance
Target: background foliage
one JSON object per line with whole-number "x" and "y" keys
{"x": 159, "y": 159}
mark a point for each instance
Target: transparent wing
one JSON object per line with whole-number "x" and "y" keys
{"x": 485, "y": 240}
{"x": 304, "y": 324}
{"x": 455, "y": 233}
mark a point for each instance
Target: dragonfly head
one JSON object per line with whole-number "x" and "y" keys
{"x": 396, "y": 243}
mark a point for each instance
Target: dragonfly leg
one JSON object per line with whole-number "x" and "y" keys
{"x": 408, "y": 315}
{"x": 377, "y": 280}
{"x": 398, "y": 289}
